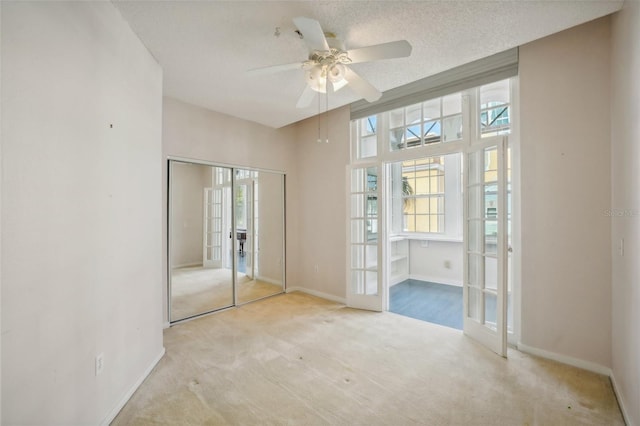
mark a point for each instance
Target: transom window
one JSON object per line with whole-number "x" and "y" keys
{"x": 431, "y": 122}
{"x": 435, "y": 122}
{"x": 495, "y": 109}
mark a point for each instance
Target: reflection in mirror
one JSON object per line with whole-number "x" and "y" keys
{"x": 259, "y": 218}
{"x": 200, "y": 262}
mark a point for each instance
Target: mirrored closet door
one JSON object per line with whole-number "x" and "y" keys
{"x": 226, "y": 237}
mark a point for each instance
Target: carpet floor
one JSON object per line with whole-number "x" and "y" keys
{"x": 294, "y": 359}
{"x": 196, "y": 290}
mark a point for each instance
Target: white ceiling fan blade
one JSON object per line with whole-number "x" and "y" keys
{"x": 361, "y": 86}
{"x": 272, "y": 69}
{"x": 311, "y": 32}
{"x": 306, "y": 97}
{"x": 393, "y": 49}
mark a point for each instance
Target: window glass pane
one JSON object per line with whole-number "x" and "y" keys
{"x": 494, "y": 109}
{"x": 413, "y": 114}
{"x": 357, "y": 257}
{"x": 372, "y": 179}
{"x": 452, "y": 128}
{"x": 357, "y": 205}
{"x": 412, "y": 136}
{"x": 368, "y": 147}
{"x": 473, "y": 243}
{"x": 475, "y": 202}
{"x": 474, "y": 275}
{"x": 490, "y": 236}
{"x": 452, "y": 104}
{"x": 357, "y": 180}
{"x": 491, "y": 273}
{"x": 371, "y": 259}
{"x": 494, "y": 94}
{"x": 432, "y": 132}
{"x": 431, "y": 109}
{"x": 357, "y": 282}
{"x": 495, "y": 121}
{"x": 396, "y": 118}
{"x": 396, "y": 139}
{"x": 371, "y": 283}
{"x": 357, "y": 231}
{"x": 423, "y": 223}
{"x": 368, "y": 126}
{"x": 474, "y": 307}
{"x": 490, "y": 310}
{"x": 372, "y": 230}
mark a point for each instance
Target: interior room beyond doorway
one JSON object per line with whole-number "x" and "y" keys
{"x": 425, "y": 239}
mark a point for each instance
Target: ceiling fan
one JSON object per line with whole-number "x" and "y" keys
{"x": 328, "y": 62}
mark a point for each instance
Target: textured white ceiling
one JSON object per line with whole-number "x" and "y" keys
{"x": 205, "y": 47}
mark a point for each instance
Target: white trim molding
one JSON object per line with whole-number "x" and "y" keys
{"x": 319, "y": 294}
{"x": 114, "y": 412}
{"x": 621, "y": 401}
{"x": 565, "y": 359}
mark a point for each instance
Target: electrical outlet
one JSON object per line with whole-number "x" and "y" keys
{"x": 99, "y": 364}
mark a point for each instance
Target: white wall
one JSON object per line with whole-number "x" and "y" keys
{"x": 322, "y": 203}
{"x": 565, "y": 176}
{"x": 81, "y": 204}
{"x": 200, "y": 134}
{"x": 625, "y": 207}
{"x": 436, "y": 261}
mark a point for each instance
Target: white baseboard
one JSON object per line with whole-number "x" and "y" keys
{"x": 114, "y": 412}
{"x": 621, "y": 401}
{"x": 436, "y": 280}
{"x": 565, "y": 359}
{"x": 268, "y": 280}
{"x": 187, "y": 265}
{"x": 318, "y": 294}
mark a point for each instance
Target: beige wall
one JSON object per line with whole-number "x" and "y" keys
{"x": 565, "y": 191}
{"x": 625, "y": 204}
{"x": 81, "y": 212}
{"x": 321, "y": 197}
{"x": 200, "y": 134}
{"x": 270, "y": 227}
{"x": 188, "y": 182}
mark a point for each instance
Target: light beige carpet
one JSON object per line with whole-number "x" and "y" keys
{"x": 195, "y": 290}
{"x": 298, "y": 360}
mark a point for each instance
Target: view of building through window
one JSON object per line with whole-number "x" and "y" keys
{"x": 423, "y": 195}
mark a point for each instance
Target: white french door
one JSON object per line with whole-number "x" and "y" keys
{"x": 212, "y": 241}
{"x": 365, "y": 290}
{"x": 485, "y": 236}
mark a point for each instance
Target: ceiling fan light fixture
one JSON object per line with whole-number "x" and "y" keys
{"x": 336, "y": 73}
{"x": 316, "y": 79}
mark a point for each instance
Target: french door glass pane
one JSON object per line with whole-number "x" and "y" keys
{"x": 357, "y": 231}
{"x": 491, "y": 273}
{"x": 371, "y": 283}
{"x": 490, "y": 318}
{"x": 474, "y": 307}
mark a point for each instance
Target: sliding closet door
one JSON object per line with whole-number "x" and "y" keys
{"x": 200, "y": 264}
{"x": 259, "y": 216}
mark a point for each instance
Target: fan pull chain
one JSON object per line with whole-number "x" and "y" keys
{"x": 326, "y": 120}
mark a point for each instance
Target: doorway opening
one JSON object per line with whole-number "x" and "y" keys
{"x": 425, "y": 239}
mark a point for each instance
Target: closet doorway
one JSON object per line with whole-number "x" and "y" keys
{"x": 226, "y": 237}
